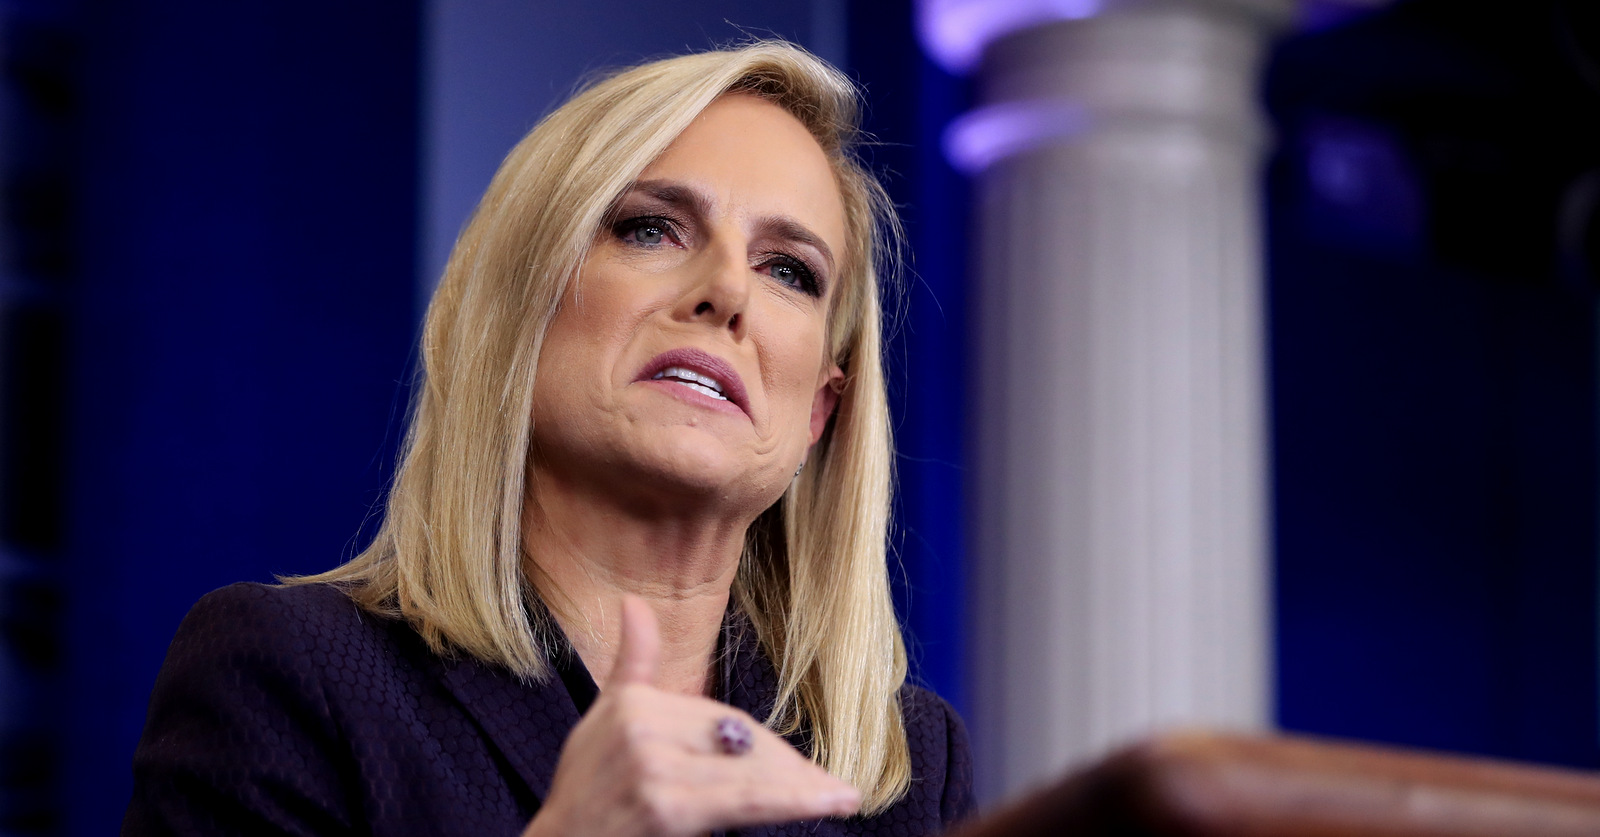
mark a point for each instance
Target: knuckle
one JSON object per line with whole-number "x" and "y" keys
{"x": 635, "y": 766}
{"x": 660, "y": 808}
{"x": 635, "y": 730}
{"x": 650, "y": 768}
{"x": 750, "y": 804}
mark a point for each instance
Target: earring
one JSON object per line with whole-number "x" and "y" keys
{"x": 799, "y": 469}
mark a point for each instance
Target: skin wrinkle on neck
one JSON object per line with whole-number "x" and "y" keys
{"x": 689, "y": 595}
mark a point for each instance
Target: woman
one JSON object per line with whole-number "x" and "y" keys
{"x": 650, "y": 444}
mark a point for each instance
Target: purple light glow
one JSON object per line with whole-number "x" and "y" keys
{"x": 955, "y": 32}
{"x": 976, "y": 140}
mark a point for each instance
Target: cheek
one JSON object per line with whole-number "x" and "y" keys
{"x": 593, "y": 326}
{"x": 797, "y": 378}
{"x": 574, "y": 369}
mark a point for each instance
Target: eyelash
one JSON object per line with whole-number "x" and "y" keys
{"x": 805, "y": 276}
{"x": 627, "y": 226}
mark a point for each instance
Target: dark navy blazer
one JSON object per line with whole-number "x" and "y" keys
{"x": 289, "y": 710}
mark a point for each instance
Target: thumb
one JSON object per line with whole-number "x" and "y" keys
{"x": 639, "y": 649}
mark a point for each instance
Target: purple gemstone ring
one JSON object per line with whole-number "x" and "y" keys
{"x": 733, "y": 736}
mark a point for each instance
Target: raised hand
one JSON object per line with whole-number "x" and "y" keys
{"x": 647, "y": 763}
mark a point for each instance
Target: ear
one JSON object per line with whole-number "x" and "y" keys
{"x": 825, "y": 400}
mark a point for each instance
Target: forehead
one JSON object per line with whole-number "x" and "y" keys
{"x": 756, "y": 160}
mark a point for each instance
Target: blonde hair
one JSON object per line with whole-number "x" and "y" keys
{"x": 814, "y": 576}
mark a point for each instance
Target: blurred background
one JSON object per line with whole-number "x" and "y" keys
{"x": 1246, "y": 372}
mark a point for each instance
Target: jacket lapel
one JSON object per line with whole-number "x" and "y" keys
{"x": 751, "y": 684}
{"x": 749, "y": 681}
{"x": 527, "y": 722}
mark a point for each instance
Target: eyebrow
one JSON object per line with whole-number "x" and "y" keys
{"x": 673, "y": 194}
{"x": 783, "y": 227}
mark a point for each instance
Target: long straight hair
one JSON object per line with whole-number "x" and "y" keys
{"x": 814, "y": 575}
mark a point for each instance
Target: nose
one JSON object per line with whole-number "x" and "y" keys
{"x": 720, "y": 292}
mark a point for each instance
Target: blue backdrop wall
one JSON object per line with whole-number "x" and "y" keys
{"x": 1433, "y": 346}
{"x": 240, "y": 323}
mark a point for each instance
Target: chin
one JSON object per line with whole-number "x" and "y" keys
{"x": 692, "y": 468}
{"x": 714, "y": 479}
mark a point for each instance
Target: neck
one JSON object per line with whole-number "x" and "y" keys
{"x": 585, "y": 551}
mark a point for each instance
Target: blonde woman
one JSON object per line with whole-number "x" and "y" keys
{"x": 650, "y": 451}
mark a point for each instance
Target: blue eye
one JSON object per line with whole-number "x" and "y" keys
{"x": 646, "y": 231}
{"x": 794, "y": 273}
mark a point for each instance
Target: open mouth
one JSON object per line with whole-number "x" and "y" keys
{"x": 703, "y": 384}
{"x": 700, "y": 372}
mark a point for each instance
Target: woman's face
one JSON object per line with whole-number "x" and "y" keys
{"x": 692, "y": 350}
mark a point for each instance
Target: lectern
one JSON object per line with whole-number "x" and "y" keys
{"x": 1215, "y": 785}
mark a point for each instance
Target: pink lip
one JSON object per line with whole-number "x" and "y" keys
{"x": 706, "y": 364}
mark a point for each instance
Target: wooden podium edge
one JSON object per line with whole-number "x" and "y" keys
{"x": 1207, "y": 784}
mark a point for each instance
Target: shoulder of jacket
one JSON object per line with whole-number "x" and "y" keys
{"x": 921, "y": 705}
{"x": 298, "y": 599}
{"x": 277, "y": 614}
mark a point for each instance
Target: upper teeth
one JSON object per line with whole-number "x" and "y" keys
{"x": 693, "y": 380}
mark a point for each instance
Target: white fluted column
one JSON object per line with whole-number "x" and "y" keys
{"x": 1120, "y": 569}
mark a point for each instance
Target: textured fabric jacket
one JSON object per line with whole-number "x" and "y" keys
{"x": 289, "y": 710}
